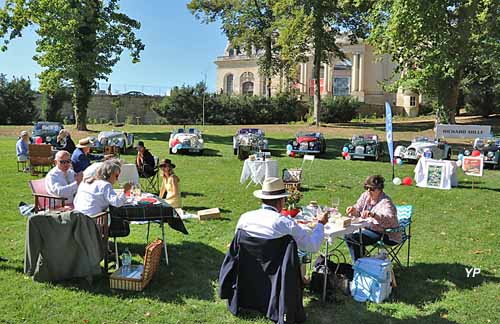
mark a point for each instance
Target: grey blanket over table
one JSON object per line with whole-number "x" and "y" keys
{"x": 62, "y": 245}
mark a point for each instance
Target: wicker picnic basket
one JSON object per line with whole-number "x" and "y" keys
{"x": 139, "y": 275}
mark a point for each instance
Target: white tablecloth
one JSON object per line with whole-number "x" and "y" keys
{"x": 258, "y": 170}
{"x": 449, "y": 173}
{"x": 129, "y": 174}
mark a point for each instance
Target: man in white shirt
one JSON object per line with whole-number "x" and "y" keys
{"x": 268, "y": 223}
{"x": 62, "y": 180}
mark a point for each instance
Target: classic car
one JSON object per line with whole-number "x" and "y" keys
{"x": 306, "y": 143}
{"x": 422, "y": 145}
{"x": 46, "y": 132}
{"x": 363, "y": 147}
{"x": 188, "y": 140}
{"x": 249, "y": 140}
{"x": 489, "y": 148}
{"x": 120, "y": 139}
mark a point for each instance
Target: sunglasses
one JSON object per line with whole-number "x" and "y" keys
{"x": 64, "y": 161}
{"x": 371, "y": 188}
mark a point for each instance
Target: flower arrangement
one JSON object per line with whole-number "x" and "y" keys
{"x": 293, "y": 199}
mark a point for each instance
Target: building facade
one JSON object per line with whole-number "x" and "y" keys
{"x": 360, "y": 75}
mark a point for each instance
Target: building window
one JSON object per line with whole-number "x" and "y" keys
{"x": 322, "y": 72}
{"x": 229, "y": 84}
{"x": 413, "y": 101}
{"x": 231, "y": 52}
{"x": 247, "y": 88}
{"x": 246, "y": 76}
{"x": 341, "y": 86}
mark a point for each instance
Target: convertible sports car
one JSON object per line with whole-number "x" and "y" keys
{"x": 189, "y": 140}
{"x": 420, "y": 145}
{"x": 306, "y": 143}
{"x": 46, "y": 132}
{"x": 364, "y": 147}
{"x": 489, "y": 148}
{"x": 249, "y": 140}
{"x": 120, "y": 139}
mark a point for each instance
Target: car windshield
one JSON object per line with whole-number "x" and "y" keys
{"x": 422, "y": 139}
{"x": 48, "y": 127}
{"x": 357, "y": 138}
{"x": 307, "y": 134}
{"x": 249, "y": 131}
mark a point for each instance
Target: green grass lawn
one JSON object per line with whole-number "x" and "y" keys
{"x": 453, "y": 230}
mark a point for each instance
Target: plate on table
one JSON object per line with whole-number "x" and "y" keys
{"x": 148, "y": 200}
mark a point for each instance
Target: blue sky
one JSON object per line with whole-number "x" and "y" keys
{"x": 179, "y": 49}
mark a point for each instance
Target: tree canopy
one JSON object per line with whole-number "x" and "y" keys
{"x": 79, "y": 42}
{"x": 436, "y": 43}
{"x": 16, "y": 101}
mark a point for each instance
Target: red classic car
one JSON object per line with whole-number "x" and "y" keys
{"x": 306, "y": 143}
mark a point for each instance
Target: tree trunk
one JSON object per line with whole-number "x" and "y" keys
{"x": 80, "y": 101}
{"x": 450, "y": 104}
{"x": 268, "y": 66}
{"x": 317, "y": 93}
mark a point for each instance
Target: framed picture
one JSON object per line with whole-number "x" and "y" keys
{"x": 473, "y": 165}
{"x": 434, "y": 174}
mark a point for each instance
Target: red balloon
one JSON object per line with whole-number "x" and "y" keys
{"x": 344, "y": 154}
{"x": 38, "y": 140}
{"x": 407, "y": 181}
{"x": 476, "y": 153}
{"x": 292, "y": 154}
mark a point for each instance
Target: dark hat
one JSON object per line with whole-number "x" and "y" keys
{"x": 167, "y": 162}
{"x": 140, "y": 144}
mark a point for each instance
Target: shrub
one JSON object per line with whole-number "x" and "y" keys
{"x": 338, "y": 109}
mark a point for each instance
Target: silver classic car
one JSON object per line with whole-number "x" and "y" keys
{"x": 249, "y": 140}
{"x": 120, "y": 139}
{"x": 187, "y": 140}
{"x": 421, "y": 146}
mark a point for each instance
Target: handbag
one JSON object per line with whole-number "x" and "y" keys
{"x": 343, "y": 274}
{"x": 119, "y": 227}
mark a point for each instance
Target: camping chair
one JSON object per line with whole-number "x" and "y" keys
{"x": 22, "y": 165}
{"x": 40, "y": 157}
{"x": 112, "y": 150}
{"x": 151, "y": 184}
{"x": 404, "y": 213}
{"x": 43, "y": 200}
{"x": 292, "y": 179}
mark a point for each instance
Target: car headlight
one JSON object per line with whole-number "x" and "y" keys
{"x": 466, "y": 152}
{"x": 48, "y": 138}
{"x": 294, "y": 143}
{"x": 490, "y": 154}
{"x": 351, "y": 147}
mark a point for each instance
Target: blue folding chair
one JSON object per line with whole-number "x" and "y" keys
{"x": 404, "y": 214}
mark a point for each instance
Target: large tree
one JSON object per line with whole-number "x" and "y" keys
{"x": 79, "y": 42}
{"x": 314, "y": 26}
{"x": 248, "y": 24}
{"x": 16, "y": 101}
{"x": 434, "y": 42}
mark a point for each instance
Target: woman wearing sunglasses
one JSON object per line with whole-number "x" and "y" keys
{"x": 376, "y": 208}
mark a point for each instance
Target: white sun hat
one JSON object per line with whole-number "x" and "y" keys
{"x": 272, "y": 188}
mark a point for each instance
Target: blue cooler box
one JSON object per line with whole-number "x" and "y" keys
{"x": 372, "y": 280}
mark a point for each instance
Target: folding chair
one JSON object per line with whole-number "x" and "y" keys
{"x": 404, "y": 213}
{"x": 40, "y": 157}
{"x": 22, "y": 165}
{"x": 151, "y": 184}
{"x": 43, "y": 200}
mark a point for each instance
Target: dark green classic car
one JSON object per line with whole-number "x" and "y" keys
{"x": 366, "y": 147}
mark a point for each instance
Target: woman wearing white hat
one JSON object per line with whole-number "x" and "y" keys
{"x": 22, "y": 146}
{"x": 268, "y": 223}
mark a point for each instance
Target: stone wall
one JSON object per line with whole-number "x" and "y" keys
{"x": 102, "y": 110}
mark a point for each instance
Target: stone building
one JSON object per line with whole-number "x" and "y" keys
{"x": 359, "y": 75}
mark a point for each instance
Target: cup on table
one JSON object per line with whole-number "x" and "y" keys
{"x": 335, "y": 203}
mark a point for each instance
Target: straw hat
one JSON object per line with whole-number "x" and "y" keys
{"x": 84, "y": 142}
{"x": 272, "y": 188}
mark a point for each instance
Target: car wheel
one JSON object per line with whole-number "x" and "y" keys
{"x": 235, "y": 151}
{"x": 170, "y": 150}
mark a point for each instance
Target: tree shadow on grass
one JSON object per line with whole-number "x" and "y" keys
{"x": 194, "y": 194}
{"x": 427, "y": 282}
{"x": 192, "y": 271}
{"x": 156, "y": 136}
{"x": 467, "y": 186}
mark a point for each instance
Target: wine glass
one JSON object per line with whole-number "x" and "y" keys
{"x": 335, "y": 203}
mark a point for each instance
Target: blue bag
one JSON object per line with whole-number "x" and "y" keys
{"x": 372, "y": 280}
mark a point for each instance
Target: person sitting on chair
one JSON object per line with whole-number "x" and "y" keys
{"x": 375, "y": 207}
{"x": 96, "y": 194}
{"x": 64, "y": 141}
{"x": 170, "y": 184}
{"x": 62, "y": 180}
{"x": 81, "y": 156}
{"x": 145, "y": 161}
{"x": 22, "y": 147}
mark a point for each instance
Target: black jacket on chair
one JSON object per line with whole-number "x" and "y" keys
{"x": 147, "y": 169}
{"x": 263, "y": 275}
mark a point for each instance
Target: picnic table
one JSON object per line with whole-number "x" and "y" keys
{"x": 258, "y": 170}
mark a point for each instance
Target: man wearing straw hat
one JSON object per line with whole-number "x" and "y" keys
{"x": 80, "y": 159}
{"x": 268, "y": 223}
